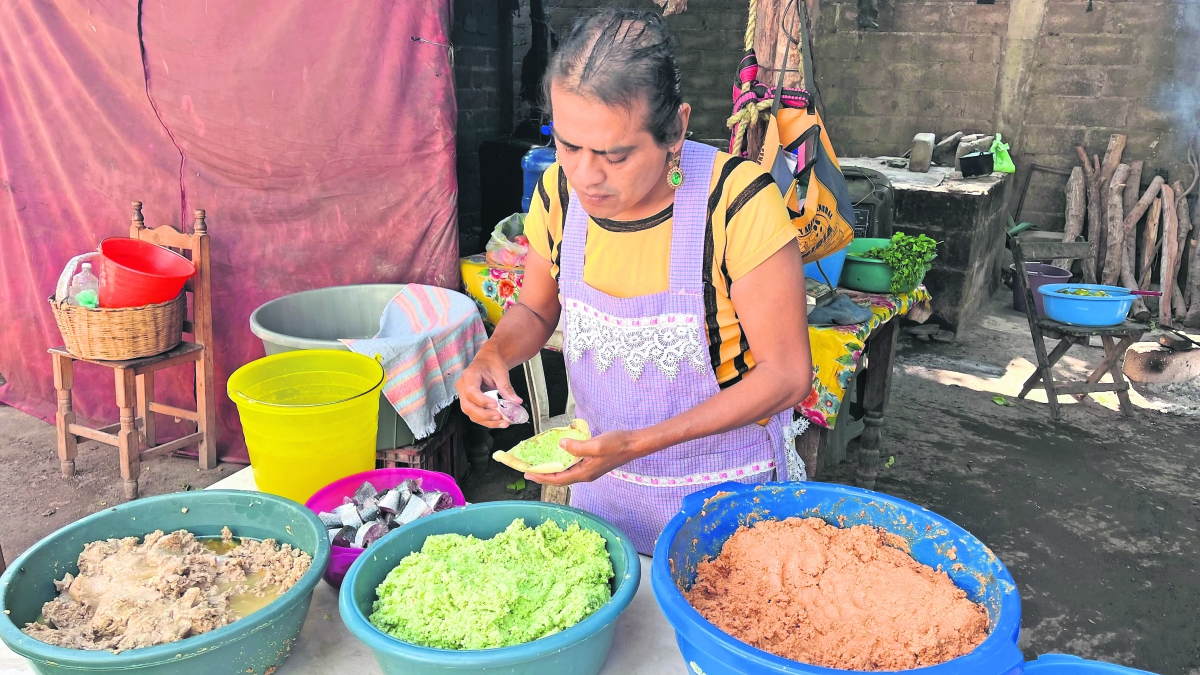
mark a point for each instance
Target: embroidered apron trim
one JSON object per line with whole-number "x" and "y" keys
{"x": 752, "y": 469}
{"x": 665, "y": 340}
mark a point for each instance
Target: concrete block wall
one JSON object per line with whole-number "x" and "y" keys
{"x": 1102, "y": 72}
{"x": 932, "y": 66}
{"x": 1049, "y": 74}
{"x": 483, "y": 47}
{"x": 708, "y": 41}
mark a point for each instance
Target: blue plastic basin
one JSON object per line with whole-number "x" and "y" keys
{"x": 706, "y": 520}
{"x": 1062, "y": 664}
{"x": 578, "y": 650}
{"x": 1083, "y": 310}
{"x": 828, "y": 269}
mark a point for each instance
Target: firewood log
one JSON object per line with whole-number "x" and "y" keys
{"x": 1143, "y": 203}
{"x": 1112, "y": 157}
{"x": 1166, "y": 278}
{"x": 1076, "y": 208}
{"x": 1095, "y": 212}
{"x": 1192, "y": 319}
{"x": 1183, "y": 217}
{"x": 1115, "y": 257}
{"x": 1150, "y": 241}
{"x": 1133, "y": 186}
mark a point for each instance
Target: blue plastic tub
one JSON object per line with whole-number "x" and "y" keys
{"x": 533, "y": 165}
{"x": 828, "y": 269}
{"x": 1083, "y": 310}
{"x": 710, "y": 517}
{"x": 578, "y": 650}
{"x": 1062, "y": 664}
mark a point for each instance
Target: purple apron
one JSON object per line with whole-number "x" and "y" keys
{"x": 635, "y": 362}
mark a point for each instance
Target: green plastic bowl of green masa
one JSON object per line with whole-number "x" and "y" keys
{"x": 253, "y": 645}
{"x": 578, "y": 650}
{"x": 868, "y": 274}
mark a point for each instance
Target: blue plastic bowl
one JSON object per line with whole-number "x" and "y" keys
{"x": 578, "y": 650}
{"x": 710, "y": 517}
{"x": 1083, "y": 310}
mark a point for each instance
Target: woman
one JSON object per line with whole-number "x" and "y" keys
{"x": 683, "y": 289}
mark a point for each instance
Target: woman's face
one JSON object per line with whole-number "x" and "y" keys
{"x": 609, "y": 156}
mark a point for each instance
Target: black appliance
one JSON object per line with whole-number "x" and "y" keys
{"x": 874, "y": 202}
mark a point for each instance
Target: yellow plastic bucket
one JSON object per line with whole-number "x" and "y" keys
{"x": 310, "y": 417}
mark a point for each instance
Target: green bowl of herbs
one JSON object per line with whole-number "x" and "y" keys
{"x": 896, "y": 265}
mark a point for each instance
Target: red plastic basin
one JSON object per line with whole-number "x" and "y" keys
{"x": 330, "y": 497}
{"x": 138, "y": 273}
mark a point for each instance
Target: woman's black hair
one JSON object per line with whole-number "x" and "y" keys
{"x": 618, "y": 57}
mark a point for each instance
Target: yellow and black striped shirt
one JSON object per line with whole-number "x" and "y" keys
{"x": 747, "y": 223}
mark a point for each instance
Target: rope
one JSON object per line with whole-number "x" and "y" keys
{"x": 751, "y": 22}
{"x": 743, "y": 117}
{"x": 753, "y": 100}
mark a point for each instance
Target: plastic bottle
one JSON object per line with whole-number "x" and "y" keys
{"x": 83, "y": 281}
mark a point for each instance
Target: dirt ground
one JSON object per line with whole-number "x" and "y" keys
{"x": 1096, "y": 516}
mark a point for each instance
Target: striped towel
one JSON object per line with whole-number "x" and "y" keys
{"x": 427, "y": 336}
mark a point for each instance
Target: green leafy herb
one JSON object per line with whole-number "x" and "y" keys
{"x": 890, "y": 462}
{"x": 1000, "y": 400}
{"x": 517, "y": 485}
{"x": 908, "y": 256}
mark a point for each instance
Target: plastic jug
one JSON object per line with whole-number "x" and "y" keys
{"x": 534, "y": 164}
{"x": 81, "y": 283}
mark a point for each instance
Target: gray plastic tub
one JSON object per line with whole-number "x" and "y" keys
{"x": 317, "y": 319}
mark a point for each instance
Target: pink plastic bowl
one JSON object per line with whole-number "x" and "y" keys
{"x": 330, "y": 497}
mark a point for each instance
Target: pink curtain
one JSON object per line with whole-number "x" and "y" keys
{"x": 318, "y": 136}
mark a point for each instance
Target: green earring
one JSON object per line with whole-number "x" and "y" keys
{"x": 675, "y": 174}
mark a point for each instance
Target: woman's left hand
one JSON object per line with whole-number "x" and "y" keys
{"x": 600, "y": 455}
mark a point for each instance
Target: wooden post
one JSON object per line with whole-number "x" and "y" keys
{"x": 139, "y": 223}
{"x": 64, "y": 379}
{"x": 206, "y": 386}
{"x": 808, "y": 446}
{"x": 127, "y": 437}
{"x": 145, "y": 396}
{"x": 770, "y": 40}
{"x": 880, "y": 357}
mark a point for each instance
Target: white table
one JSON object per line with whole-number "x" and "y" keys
{"x": 644, "y": 643}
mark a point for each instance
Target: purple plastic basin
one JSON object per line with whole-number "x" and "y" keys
{"x": 330, "y": 497}
{"x": 1038, "y": 275}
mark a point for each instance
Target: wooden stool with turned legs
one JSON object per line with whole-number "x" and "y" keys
{"x": 134, "y": 436}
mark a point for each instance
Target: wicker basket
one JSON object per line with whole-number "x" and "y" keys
{"x": 120, "y": 333}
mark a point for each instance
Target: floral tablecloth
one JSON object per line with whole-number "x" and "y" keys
{"x": 836, "y": 351}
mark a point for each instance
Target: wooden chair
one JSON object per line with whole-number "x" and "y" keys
{"x": 134, "y": 435}
{"x": 1127, "y": 333}
{"x": 539, "y": 401}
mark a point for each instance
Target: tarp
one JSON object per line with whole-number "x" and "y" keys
{"x": 318, "y": 136}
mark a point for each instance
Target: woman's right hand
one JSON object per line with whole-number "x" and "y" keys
{"x": 487, "y": 372}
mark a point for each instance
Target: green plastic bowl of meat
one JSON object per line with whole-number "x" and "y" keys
{"x": 578, "y": 650}
{"x": 254, "y": 645}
